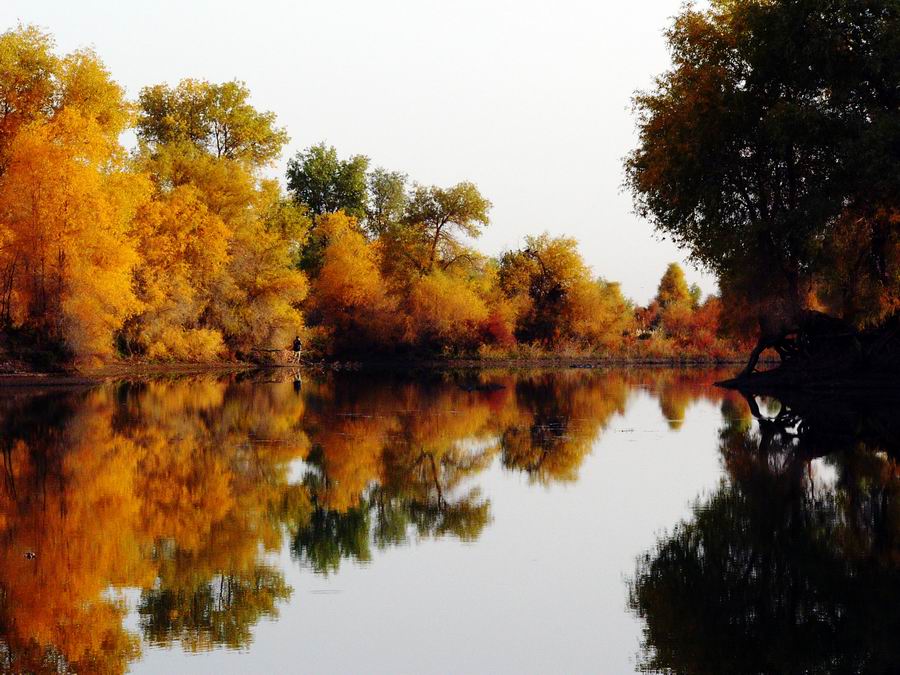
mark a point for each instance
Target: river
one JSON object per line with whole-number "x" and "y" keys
{"x": 567, "y": 521}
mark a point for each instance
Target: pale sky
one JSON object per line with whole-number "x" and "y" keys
{"x": 530, "y": 100}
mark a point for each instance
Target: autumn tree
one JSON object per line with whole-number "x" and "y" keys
{"x": 673, "y": 287}
{"x": 263, "y": 306}
{"x": 216, "y": 118}
{"x": 444, "y": 312}
{"x": 860, "y": 280}
{"x": 66, "y": 198}
{"x": 775, "y": 120}
{"x": 183, "y": 251}
{"x": 206, "y": 141}
{"x": 28, "y": 69}
{"x": 672, "y": 309}
{"x": 349, "y": 297}
{"x": 556, "y": 297}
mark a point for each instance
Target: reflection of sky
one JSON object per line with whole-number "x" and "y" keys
{"x": 296, "y": 469}
{"x": 824, "y": 475}
{"x": 542, "y": 590}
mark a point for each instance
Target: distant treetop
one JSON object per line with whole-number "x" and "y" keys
{"x": 216, "y": 118}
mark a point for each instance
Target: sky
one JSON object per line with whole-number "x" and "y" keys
{"x": 528, "y": 99}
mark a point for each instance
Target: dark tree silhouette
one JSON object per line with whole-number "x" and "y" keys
{"x": 771, "y": 151}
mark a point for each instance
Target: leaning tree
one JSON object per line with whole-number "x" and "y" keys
{"x": 771, "y": 152}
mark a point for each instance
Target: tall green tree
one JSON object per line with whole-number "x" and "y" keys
{"x": 438, "y": 216}
{"x": 387, "y": 200}
{"x": 216, "y": 118}
{"x": 322, "y": 181}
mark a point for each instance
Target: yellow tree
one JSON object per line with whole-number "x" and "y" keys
{"x": 207, "y": 137}
{"x": 349, "y": 296}
{"x": 673, "y": 287}
{"x": 28, "y": 68}
{"x": 66, "y": 200}
{"x": 183, "y": 252}
{"x": 444, "y": 311}
{"x": 262, "y": 304}
{"x": 68, "y": 216}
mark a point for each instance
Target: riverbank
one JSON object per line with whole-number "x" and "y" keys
{"x": 85, "y": 376}
{"x": 118, "y": 371}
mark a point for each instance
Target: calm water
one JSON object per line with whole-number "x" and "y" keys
{"x": 547, "y": 522}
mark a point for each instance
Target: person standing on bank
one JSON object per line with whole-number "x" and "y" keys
{"x": 298, "y": 347}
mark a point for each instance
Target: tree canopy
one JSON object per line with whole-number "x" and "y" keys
{"x": 216, "y": 118}
{"x": 439, "y": 215}
{"x": 776, "y": 129}
{"x": 673, "y": 287}
{"x": 325, "y": 183}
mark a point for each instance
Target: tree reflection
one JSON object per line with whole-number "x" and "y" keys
{"x": 559, "y": 418}
{"x": 216, "y": 611}
{"x": 791, "y": 565}
{"x": 158, "y": 486}
{"x": 392, "y": 461}
{"x": 184, "y": 489}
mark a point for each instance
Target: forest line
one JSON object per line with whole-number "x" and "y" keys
{"x": 181, "y": 250}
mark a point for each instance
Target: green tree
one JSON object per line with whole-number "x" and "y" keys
{"x": 217, "y": 118}
{"x": 210, "y": 612}
{"x": 387, "y": 200}
{"x": 325, "y": 183}
{"x": 437, "y": 216}
{"x": 696, "y": 294}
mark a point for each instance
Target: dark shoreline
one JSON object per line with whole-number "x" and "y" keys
{"x": 775, "y": 382}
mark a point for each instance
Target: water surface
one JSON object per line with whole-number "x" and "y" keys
{"x": 571, "y": 521}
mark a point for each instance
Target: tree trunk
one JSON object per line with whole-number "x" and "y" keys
{"x": 750, "y": 368}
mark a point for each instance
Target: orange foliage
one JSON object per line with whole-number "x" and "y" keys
{"x": 443, "y": 310}
{"x": 558, "y": 300}
{"x": 349, "y": 296}
{"x": 67, "y": 220}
